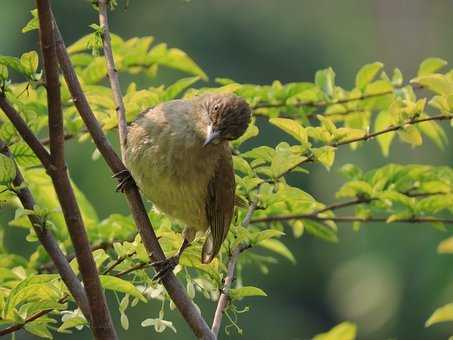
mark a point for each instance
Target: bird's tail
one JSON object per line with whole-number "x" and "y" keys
{"x": 210, "y": 248}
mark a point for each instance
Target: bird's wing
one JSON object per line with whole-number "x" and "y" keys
{"x": 219, "y": 207}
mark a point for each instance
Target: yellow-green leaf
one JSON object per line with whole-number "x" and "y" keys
{"x": 291, "y": 127}
{"x": 430, "y": 65}
{"x": 383, "y": 120}
{"x": 366, "y": 74}
{"x": 441, "y": 314}
{"x": 411, "y": 135}
{"x": 239, "y": 293}
{"x": 325, "y": 155}
{"x": 278, "y": 247}
{"x": 7, "y": 169}
{"x": 120, "y": 285}
{"x": 343, "y": 331}
{"x": 29, "y": 61}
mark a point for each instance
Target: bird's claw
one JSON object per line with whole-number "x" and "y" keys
{"x": 165, "y": 267}
{"x": 125, "y": 179}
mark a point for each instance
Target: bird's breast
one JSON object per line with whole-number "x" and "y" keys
{"x": 170, "y": 166}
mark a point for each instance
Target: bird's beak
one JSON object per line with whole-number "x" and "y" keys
{"x": 213, "y": 136}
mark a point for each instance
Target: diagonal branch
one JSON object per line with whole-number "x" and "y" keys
{"x": 149, "y": 238}
{"x": 113, "y": 75}
{"x": 234, "y": 257}
{"x": 101, "y": 322}
{"x": 48, "y": 241}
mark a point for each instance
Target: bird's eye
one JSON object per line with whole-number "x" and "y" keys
{"x": 216, "y": 108}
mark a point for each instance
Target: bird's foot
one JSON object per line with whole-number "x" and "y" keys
{"x": 125, "y": 179}
{"x": 165, "y": 267}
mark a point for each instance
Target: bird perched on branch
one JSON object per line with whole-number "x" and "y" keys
{"x": 178, "y": 155}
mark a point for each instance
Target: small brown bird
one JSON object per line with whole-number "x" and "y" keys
{"x": 178, "y": 155}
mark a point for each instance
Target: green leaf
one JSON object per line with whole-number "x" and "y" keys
{"x": 13, "y": 63}
{"x": 321, "y": 231}
{"x": 433, "y": 131}
{"x": 397, "y": 77}
{"x": 246, "y": 291}
{"x": 176, "y": 59}
{"x": 263, "y": 153}
{"x": 120, "y": 285}
{"x": 29, "y": 61}
{"x": 325, "y": 155}
{"x": 41, "y": 186}
{"x": 268, "y": 234}
{"x": 441, "y": 314}
{"x": 33, "y": 24}
{"x": 175, "y": 89}
{"x": 23, "y": 155}
{"x": 366, "y": 74}
{"x": 438, "y": 83}
{"x": 354, "y": 189}
{"x": 3, "y": 72}
{"x": 7, "y": 170}
{"x": 430, "y": 65}
{"x": 411, "y": 135}
{"x": 384, "y": 119}
{"x": 298, "y": 228}
{"x": 72, "y": 323}
{"x": 38, "y": 328}
{"x": 351, "y": 171}
{"x": 325, "y": 80}
{"x": 343, "y": 331}
{"x": 291, "y": 127}
{"x": 278, "y": 247}
{"x": 242, "y": 165}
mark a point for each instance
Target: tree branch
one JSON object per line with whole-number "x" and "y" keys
{"x": 113, "y": 75}
{"x": 101, "y": 322}
{"x": 348, "y": 219}
{"x": 368, "y": 136}
{"x": 48, "y": 241}
{"x": 223, "y": 299}
{"x": 323, "y": 103}
{"x": 149, "y": 238}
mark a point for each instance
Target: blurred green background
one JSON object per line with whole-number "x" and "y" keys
{"x": 387, "y": 279}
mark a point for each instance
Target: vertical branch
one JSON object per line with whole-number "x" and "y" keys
{"x": 175, "y": 290}
{"x": 56, "y": 132}
{"x": 113, "y": 75}
{"x": 101, "y": 322}
{"x": 234, "y": 257}
{"x": 48, "y": 241}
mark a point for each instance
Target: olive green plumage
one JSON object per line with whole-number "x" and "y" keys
{"x": 178, "y": 154}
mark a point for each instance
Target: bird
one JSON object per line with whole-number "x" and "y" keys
{"x": 178, "y": 155}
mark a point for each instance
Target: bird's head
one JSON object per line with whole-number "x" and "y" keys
{"x": 228, "y": 117}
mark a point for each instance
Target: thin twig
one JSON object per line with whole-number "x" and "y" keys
{"x": 113, "y": 75}
{"x": 149, "y": 238}
{"x": 223, "y": 299}
{"x": 323, "y": 103}
{"x": 120, "y": 260}
{"x": 101, "y": 322}
{"x": 348, "y": 219}
{"x": 369, "y": 136}
{"x": 393, "y": 128}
